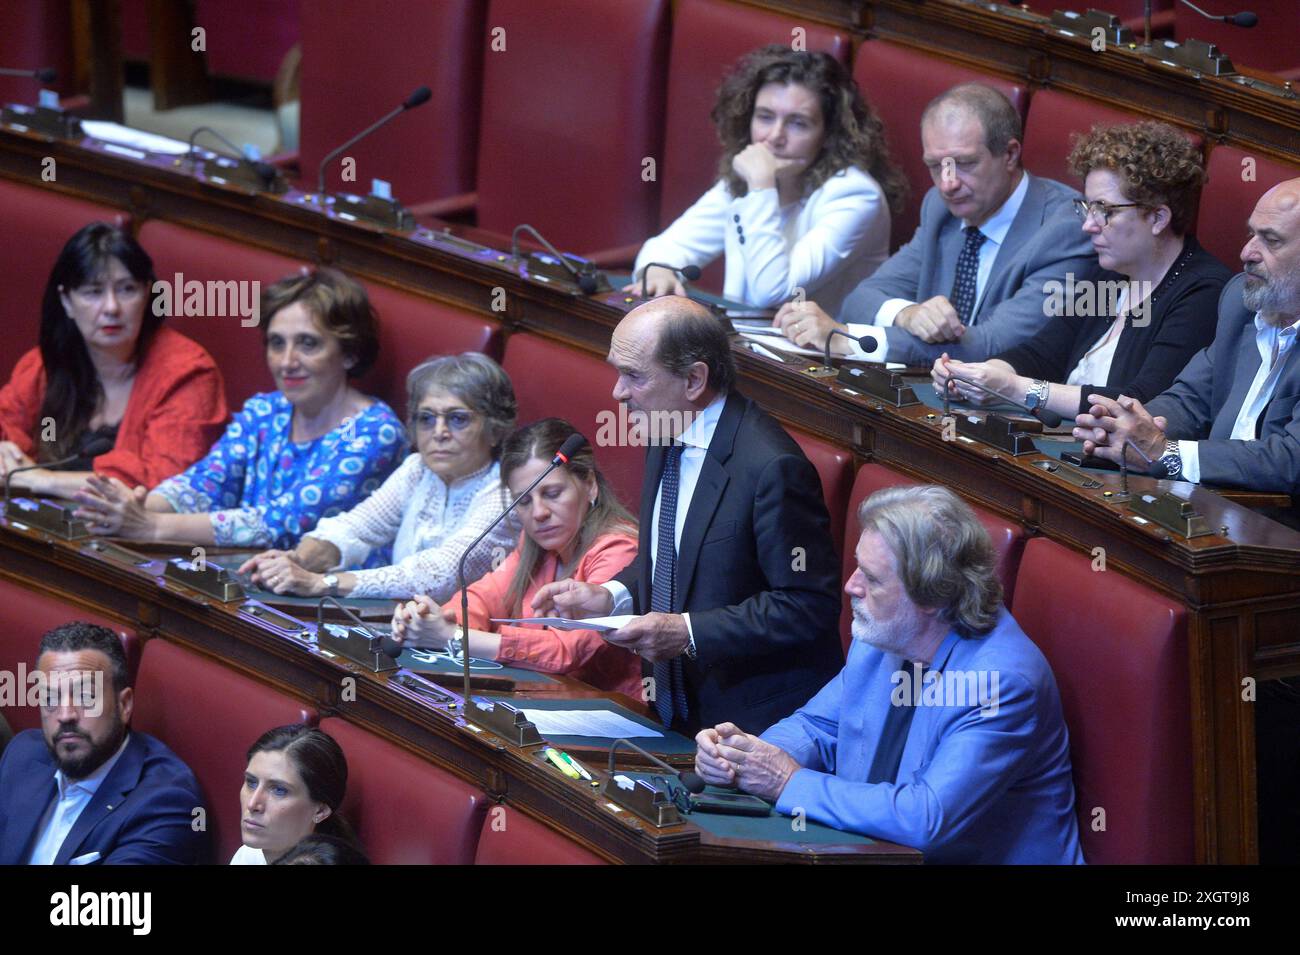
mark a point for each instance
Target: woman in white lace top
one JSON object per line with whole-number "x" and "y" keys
{"x": 459, "y": 410}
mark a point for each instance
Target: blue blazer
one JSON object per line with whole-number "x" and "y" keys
{"x": 985, "y": 772}
{"x": 142, "y": 813}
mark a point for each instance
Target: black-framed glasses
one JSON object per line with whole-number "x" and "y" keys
{"x": 456, "y": 420}
{"x": 1101, "y": 211}
{"x": 676, "y": 792}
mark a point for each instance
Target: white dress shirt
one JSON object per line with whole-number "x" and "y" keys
{"x": 74, "y": 795}
{"x": 1095, "y": 364}
{"x": 1260, "y": 393}
{"x": 995, "y": 231}
{"x": 696, "y": 439}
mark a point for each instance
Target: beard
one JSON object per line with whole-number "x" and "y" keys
{"x": 83, "y": 764}
{"x": 895, "y": 635}
{"x": 1272, "y": 296}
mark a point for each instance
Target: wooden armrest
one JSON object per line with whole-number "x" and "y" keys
{"x": 445, "y": 208}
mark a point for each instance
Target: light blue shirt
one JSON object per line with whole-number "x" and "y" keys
{"x": 1260, "y": 393}
{"x": 995, "y": 231}
{"x": 74, "y": 795}
{"x": 696, "y": 439}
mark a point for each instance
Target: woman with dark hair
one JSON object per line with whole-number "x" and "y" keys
{"x": 460, "y": 409}
{"x": 805, "y": 187}
{"x": 312, "y": 449}
{"x": 574, "y": 527}
{"x": 1143, "y": 320}
{"x": 108, "y": 385}
{"x": 293, "y": 786}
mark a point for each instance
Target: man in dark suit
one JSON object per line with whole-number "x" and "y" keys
{"x": 973, "y": 280}
{"x": 735, "y": 580}
{"x": 91, "y": 791}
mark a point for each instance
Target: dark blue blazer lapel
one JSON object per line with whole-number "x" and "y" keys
{"x": 123, "y": 778}
{"x": 709, "y": 490}
{"x": 34, "y": 789}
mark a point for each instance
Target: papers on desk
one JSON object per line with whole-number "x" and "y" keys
{"x": 138, "y": 138}
{"x": 599, "y": 624}
{"x": 604, "y": 724}
{"x": 772, "y": 338}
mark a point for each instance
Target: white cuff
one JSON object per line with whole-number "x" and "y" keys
{"x": 1190, "y": 452}
{"x": 872, "y": 334}
{"x": 886, "y": 314}
{"x": 622, "y": 597}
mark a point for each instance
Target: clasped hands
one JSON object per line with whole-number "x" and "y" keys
{"x": 728, "y": 756}
{"x": 1112, "y": 423}
{"x": 422, "y": 622}
{"x": 807, "y": 324}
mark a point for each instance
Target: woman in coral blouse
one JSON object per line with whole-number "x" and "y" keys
{"x": 575, "y": 527}
{"x": 108, "y": 386}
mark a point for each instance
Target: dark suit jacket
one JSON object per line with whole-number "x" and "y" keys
{"x": 1202, "y": 404}
{"x": 756, "y": 571}
{"x": 1152, "y": 350}
{"x": 142, "y": 813}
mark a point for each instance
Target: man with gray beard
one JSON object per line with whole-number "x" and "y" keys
{"x": 944, "y": 730}
{"x": 1232, "y": 417}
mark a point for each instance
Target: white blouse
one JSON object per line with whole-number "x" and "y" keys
{"x": 246, "y": 856}
{"x": 429, "y": 525}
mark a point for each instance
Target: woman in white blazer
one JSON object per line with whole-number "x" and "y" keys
{"x": 805, "y": 190}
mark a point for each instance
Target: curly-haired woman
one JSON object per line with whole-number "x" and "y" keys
{"x": 805, "y": 187}
{"x": 1131, "y": 333}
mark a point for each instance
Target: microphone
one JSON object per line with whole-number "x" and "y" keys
{"x": 44, "y": 74}
{"x": 689, "y": 272}
{"x": 688, "y": 778}
{"x": 96, "y": 447}
{"x": 265, "y": 172}
{"x": 1243, "y": 19}
{"x": 866, "y": 342}
{"x": 418, "y": 97}
{"x": 586, "y": 278}
{"x": 1049, "y": 418}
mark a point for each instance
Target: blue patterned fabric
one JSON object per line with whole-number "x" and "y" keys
{"x": 263, "y": 490}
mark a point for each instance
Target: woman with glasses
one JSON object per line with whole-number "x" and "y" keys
{"x": 108, "y": 386}
{"x": 314, "y": 447}
{"x": 1133, "y": 329}
{"x": 460, "y": 409}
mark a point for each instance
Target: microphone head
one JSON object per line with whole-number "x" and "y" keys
{"x": 392, "y": 649}
{"x": 418, "y": 97}
{"x": 265, "y": 172}
{"x": 571, "y": 446}
{"x": 1049, "y": 418}
{"x": 1243, "y": 19}
{"x": 691, "y": 273}
{"x": 47, "y": 75}
{"x": 588, "y": 283}
{"x": 97, "y": 446}
{"x": 692, "y": 781}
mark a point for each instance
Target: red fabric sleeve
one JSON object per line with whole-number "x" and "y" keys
{"x": 20, "y": 402}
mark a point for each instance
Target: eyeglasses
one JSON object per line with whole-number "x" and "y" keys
{"x": 1101, "y": 211}
{"x": 456, "y": 420}
{"x": 123, "y": 291}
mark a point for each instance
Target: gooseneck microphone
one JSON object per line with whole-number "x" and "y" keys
{"x": 1049, "y": 418}
{"x": 95, "y": 447}
{"x": 44, "y": 74}
{"x": 688, "y": 272}
{"x": 265, "y": 171}
{"x": 586, "y": 279}
{"x": 688, "y": 778}
{"x": 1243, "y": 19}
{"x": 418, "y": 97}
{"x": 865, "y": 342}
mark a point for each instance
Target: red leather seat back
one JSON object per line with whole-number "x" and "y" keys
{"x": 1263, "y": 48}
{"x": 35, "y": 224}
{"x": 209, "y": 714}
{"x": 25, "y": 617}
{"x": 900, "y": 82}
{"x": 553, "y": 380}
{"x": 229, "y": 26}
{"x": 405, "y": 811}
{"x": 35, "y": 34}
{"x": 359, "y": 61}
{"x": 571, "y": 108}
{"x": 1119, "y": 652}
{"x": 1008, "y": 538}
{"x": 511, "y": 838}
{"x": 835, "y": 468}
{"x": 1229, "y": 198}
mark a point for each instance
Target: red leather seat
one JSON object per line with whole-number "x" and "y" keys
{"x": 25, "y": 617}
{"x": 900, "y": 82}
{"x": 35, "y": 224}
{"x": 231, "y": 24}
{"x": 1228, "y": 199}
{"x": 35, "y": 34}
{"x": 571, "y": 108}
{"x": 360, "y": 61}
{"x": 1263, "y": 48}
{"x": 209, "y": 714}
{"x": 1008, "y": 538}
{"x": 554, "y": 380}
{"x": 405, "y": 810}
{"x": 511, "y": 838}
{"x": 1119, "y": 652}
{"x": 835, "y": 468}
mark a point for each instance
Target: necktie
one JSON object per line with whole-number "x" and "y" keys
{"x": 893, "y": 735}
{"x": 670, "y": 680}
{"x": 968, "y": 268}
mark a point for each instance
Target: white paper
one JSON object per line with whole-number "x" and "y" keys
{"x": 781, "y": 343}
{"x": 117, "y": 133}
{"x": 604, "y": 724}
{"x": 599, "y": 624}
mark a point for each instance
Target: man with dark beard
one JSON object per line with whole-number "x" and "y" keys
{"x": 92, "y": 791}
{"x": 944, "y": 730}
{"x": 1232, "y": 417}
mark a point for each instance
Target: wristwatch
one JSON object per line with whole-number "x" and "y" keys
{"x": 331, "y": 582}
{"x": 1172, "y": 461}
{"x": 1036, "y": 395}
{"x": 690, "y": 645}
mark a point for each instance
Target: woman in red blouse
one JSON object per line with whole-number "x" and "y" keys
{"x": 575, "y": 527}
{"x": 108, "y": 387}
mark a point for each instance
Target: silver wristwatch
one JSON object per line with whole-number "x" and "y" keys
{"x": 331, "y": 582}
{"x": 1036, "y": 396}
{"x": 1172, "y": 461}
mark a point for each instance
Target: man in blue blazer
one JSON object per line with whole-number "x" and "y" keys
{"x": 944, "y": 730}
{"x": 85, "y": 789}
{"x": 973, "y": 280}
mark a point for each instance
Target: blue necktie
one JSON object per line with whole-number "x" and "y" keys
{"x": 893, "y": 735}
{"x": 670, "y": 680}
{"x": 968, "y": 270}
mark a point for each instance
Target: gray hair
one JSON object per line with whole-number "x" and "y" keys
{"x": 475, "y": 379}
{"x": 944, "y": 556}
{"x": 996, "y": 116}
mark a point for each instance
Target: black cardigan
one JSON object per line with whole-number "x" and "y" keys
{"x": 1184, "y": 311}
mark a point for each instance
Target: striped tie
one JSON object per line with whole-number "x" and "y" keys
{"x": 670, "y": 680}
